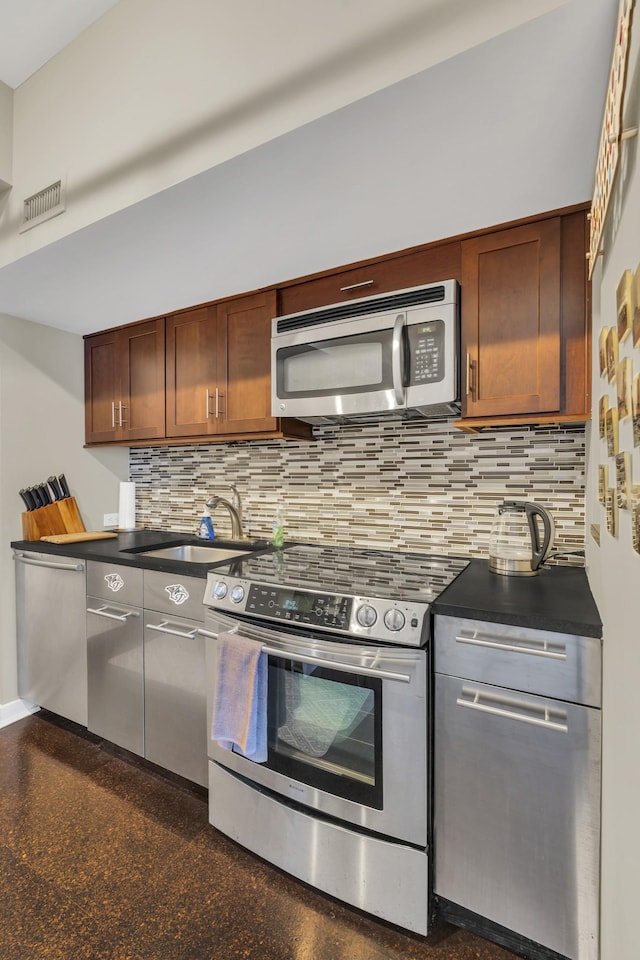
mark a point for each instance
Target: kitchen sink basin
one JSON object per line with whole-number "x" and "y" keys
{"x": 195, "y": 553}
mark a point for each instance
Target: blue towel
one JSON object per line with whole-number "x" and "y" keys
{"x": 239, "y": 720}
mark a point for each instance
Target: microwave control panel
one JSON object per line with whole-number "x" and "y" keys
{"x": 426, "y": 350}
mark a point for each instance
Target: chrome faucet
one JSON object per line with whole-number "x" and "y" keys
{"x": 235, "y": 512}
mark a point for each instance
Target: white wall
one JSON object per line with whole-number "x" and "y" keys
{"x": 614, "y": 573}
{"x": 6, "y": 135}
{"x": 149, "y": 96}
{"x": 41, "y": 432}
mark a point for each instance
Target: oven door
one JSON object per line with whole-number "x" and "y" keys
{"x": 347, "y": 728}
{"x": 341, "y": 368}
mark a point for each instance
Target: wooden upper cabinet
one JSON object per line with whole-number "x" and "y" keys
{"x": 511, "y": 321}
{"x": 124, "y": 383}
{"x": 244, "y": 371}
{"x": 192, "y": 373}
{"x": 430, "y": 265}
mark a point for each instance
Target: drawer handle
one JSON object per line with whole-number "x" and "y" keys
{"x": 357, "y": 286}
{"x": 496, "y": 643}
{"x": 100, "y": 612}
{"x": 163, "y": 628}
{"x": 537, "y": 717}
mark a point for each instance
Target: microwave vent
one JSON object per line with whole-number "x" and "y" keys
{"x": 365, "y": 307}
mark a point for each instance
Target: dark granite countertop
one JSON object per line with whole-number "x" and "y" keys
{"x": 558, "y": 599}
{"x": 125, "y": 549}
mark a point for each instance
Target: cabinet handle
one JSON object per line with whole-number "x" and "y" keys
{"x": 497, "y": 643}
{"x": 163, "y": 628}
{"x": 207, "y": 405}
{"x": 123, "y": 406}
{"x": 357, "y": 286}
{"x": 471, "y": 380}
{"x": 113, "y": 414}
{"x": 536, "y": 716}
{"x": 219, "y": 407}
{"x": 100, "y": 612}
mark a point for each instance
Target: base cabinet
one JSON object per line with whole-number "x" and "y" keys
{"x": 517, "y": 783}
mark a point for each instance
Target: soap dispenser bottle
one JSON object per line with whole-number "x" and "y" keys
{"x": 205, "y": 530}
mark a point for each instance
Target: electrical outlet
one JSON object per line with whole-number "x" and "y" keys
{"x": 110, "y": 520}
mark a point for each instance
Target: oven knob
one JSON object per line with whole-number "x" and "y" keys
{"x": 237, "y": 594}
{"x": 366, "y": 615}
{"x": 394, "y": 620}
{"x": 220, "y": 590}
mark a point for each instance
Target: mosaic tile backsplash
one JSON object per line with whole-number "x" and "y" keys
{"x": 416, "y": 487}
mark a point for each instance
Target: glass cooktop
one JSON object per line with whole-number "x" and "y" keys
{"x": 343, "y": 570}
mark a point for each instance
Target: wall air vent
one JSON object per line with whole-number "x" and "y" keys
{"x": 43, "y": 206}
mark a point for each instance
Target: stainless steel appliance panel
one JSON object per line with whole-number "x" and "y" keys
{"x": 536, "y": 661}
{"x": 384, "y": 878}
{"x": 112, "y": 581}
{"x": 115, "y": 673}
{"x": 51, "y": 630}
{"x": 517, "y": 812}
{"x": 174, "y": 594}
{"x": 403, "y": 673}
{"x": 175, "y": 701}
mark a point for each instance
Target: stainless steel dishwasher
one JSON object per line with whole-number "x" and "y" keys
{"x": 517, "y": 783}
{"x": 52, "y": 646}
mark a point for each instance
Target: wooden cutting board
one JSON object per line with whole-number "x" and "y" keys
{"x": 78, "y": 537}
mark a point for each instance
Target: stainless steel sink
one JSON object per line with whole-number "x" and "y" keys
{"x": 194, "y": 553}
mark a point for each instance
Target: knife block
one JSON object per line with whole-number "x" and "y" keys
{"x": 62, "y": 516}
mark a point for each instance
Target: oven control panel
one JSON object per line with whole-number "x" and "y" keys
{"x": 360, "y": 617}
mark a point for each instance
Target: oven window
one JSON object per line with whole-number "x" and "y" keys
{"x": 325, "y": 729}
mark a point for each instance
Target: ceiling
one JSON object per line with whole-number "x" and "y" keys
{"x": 33, "y": 31}
{"x": 504, "y": 130}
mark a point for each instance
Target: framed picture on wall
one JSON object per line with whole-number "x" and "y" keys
{"x": 603, "y": 483}
{"x": 602, "y": 349}
{"x": 636, "y": 410}
{"x": 636, "y": 306}
{"x": 612, "y": 431}
{"x": 612, "y": 354}
{"x": 612, "y": 512}
{"x": 623, "y": 480}
{"x": 624, "y": 309}
{"x": 624, "y": 374}
{"x": 603, "y": 406}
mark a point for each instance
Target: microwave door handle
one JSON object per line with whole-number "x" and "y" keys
{"x": 397, "y": 358}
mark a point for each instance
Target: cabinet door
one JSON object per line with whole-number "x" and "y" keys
{"x": 192, "y": 373}
{"x": 393, "y": 273}
{"x": 244, "y": 368}
{"x": 141, "y": 356}
{"x": 511, "y": 324}
{"x": 101, "y": 387}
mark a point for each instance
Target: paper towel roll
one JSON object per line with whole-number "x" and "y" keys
{"x": 127, "y": 511}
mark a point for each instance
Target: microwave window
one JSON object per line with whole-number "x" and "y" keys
{"x": 337, "y": 366}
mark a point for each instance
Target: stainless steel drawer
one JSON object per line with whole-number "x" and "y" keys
{"x": 112, "y": 581}
{"x": 550, "y": 664}
{"x": 174, "y": 594}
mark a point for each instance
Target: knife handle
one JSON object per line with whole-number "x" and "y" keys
{"x": 55, "y": 487}
{"x": 27, "y": 503}
{"x": 35, "y": 493}
{"x": 44, "y": 494}
{"x": 64, "y": 486}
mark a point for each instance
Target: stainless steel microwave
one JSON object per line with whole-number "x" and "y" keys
{"x": 395, "y": 354}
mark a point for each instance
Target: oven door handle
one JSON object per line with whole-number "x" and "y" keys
{"x": 323, "y": 662}
{"x": 336, "y": 665}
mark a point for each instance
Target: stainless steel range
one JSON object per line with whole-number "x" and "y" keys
{"x": 341, "y": 797}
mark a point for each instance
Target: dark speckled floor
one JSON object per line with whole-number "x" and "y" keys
{"x": 100, "y": 858}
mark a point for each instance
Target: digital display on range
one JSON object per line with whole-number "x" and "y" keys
{"x": 300, "y": 606}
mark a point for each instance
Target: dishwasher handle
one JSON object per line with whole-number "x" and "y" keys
{"x": 530, "y": 647}
{"x": 51, "y": 564}
{"x": 513, "y": 709}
